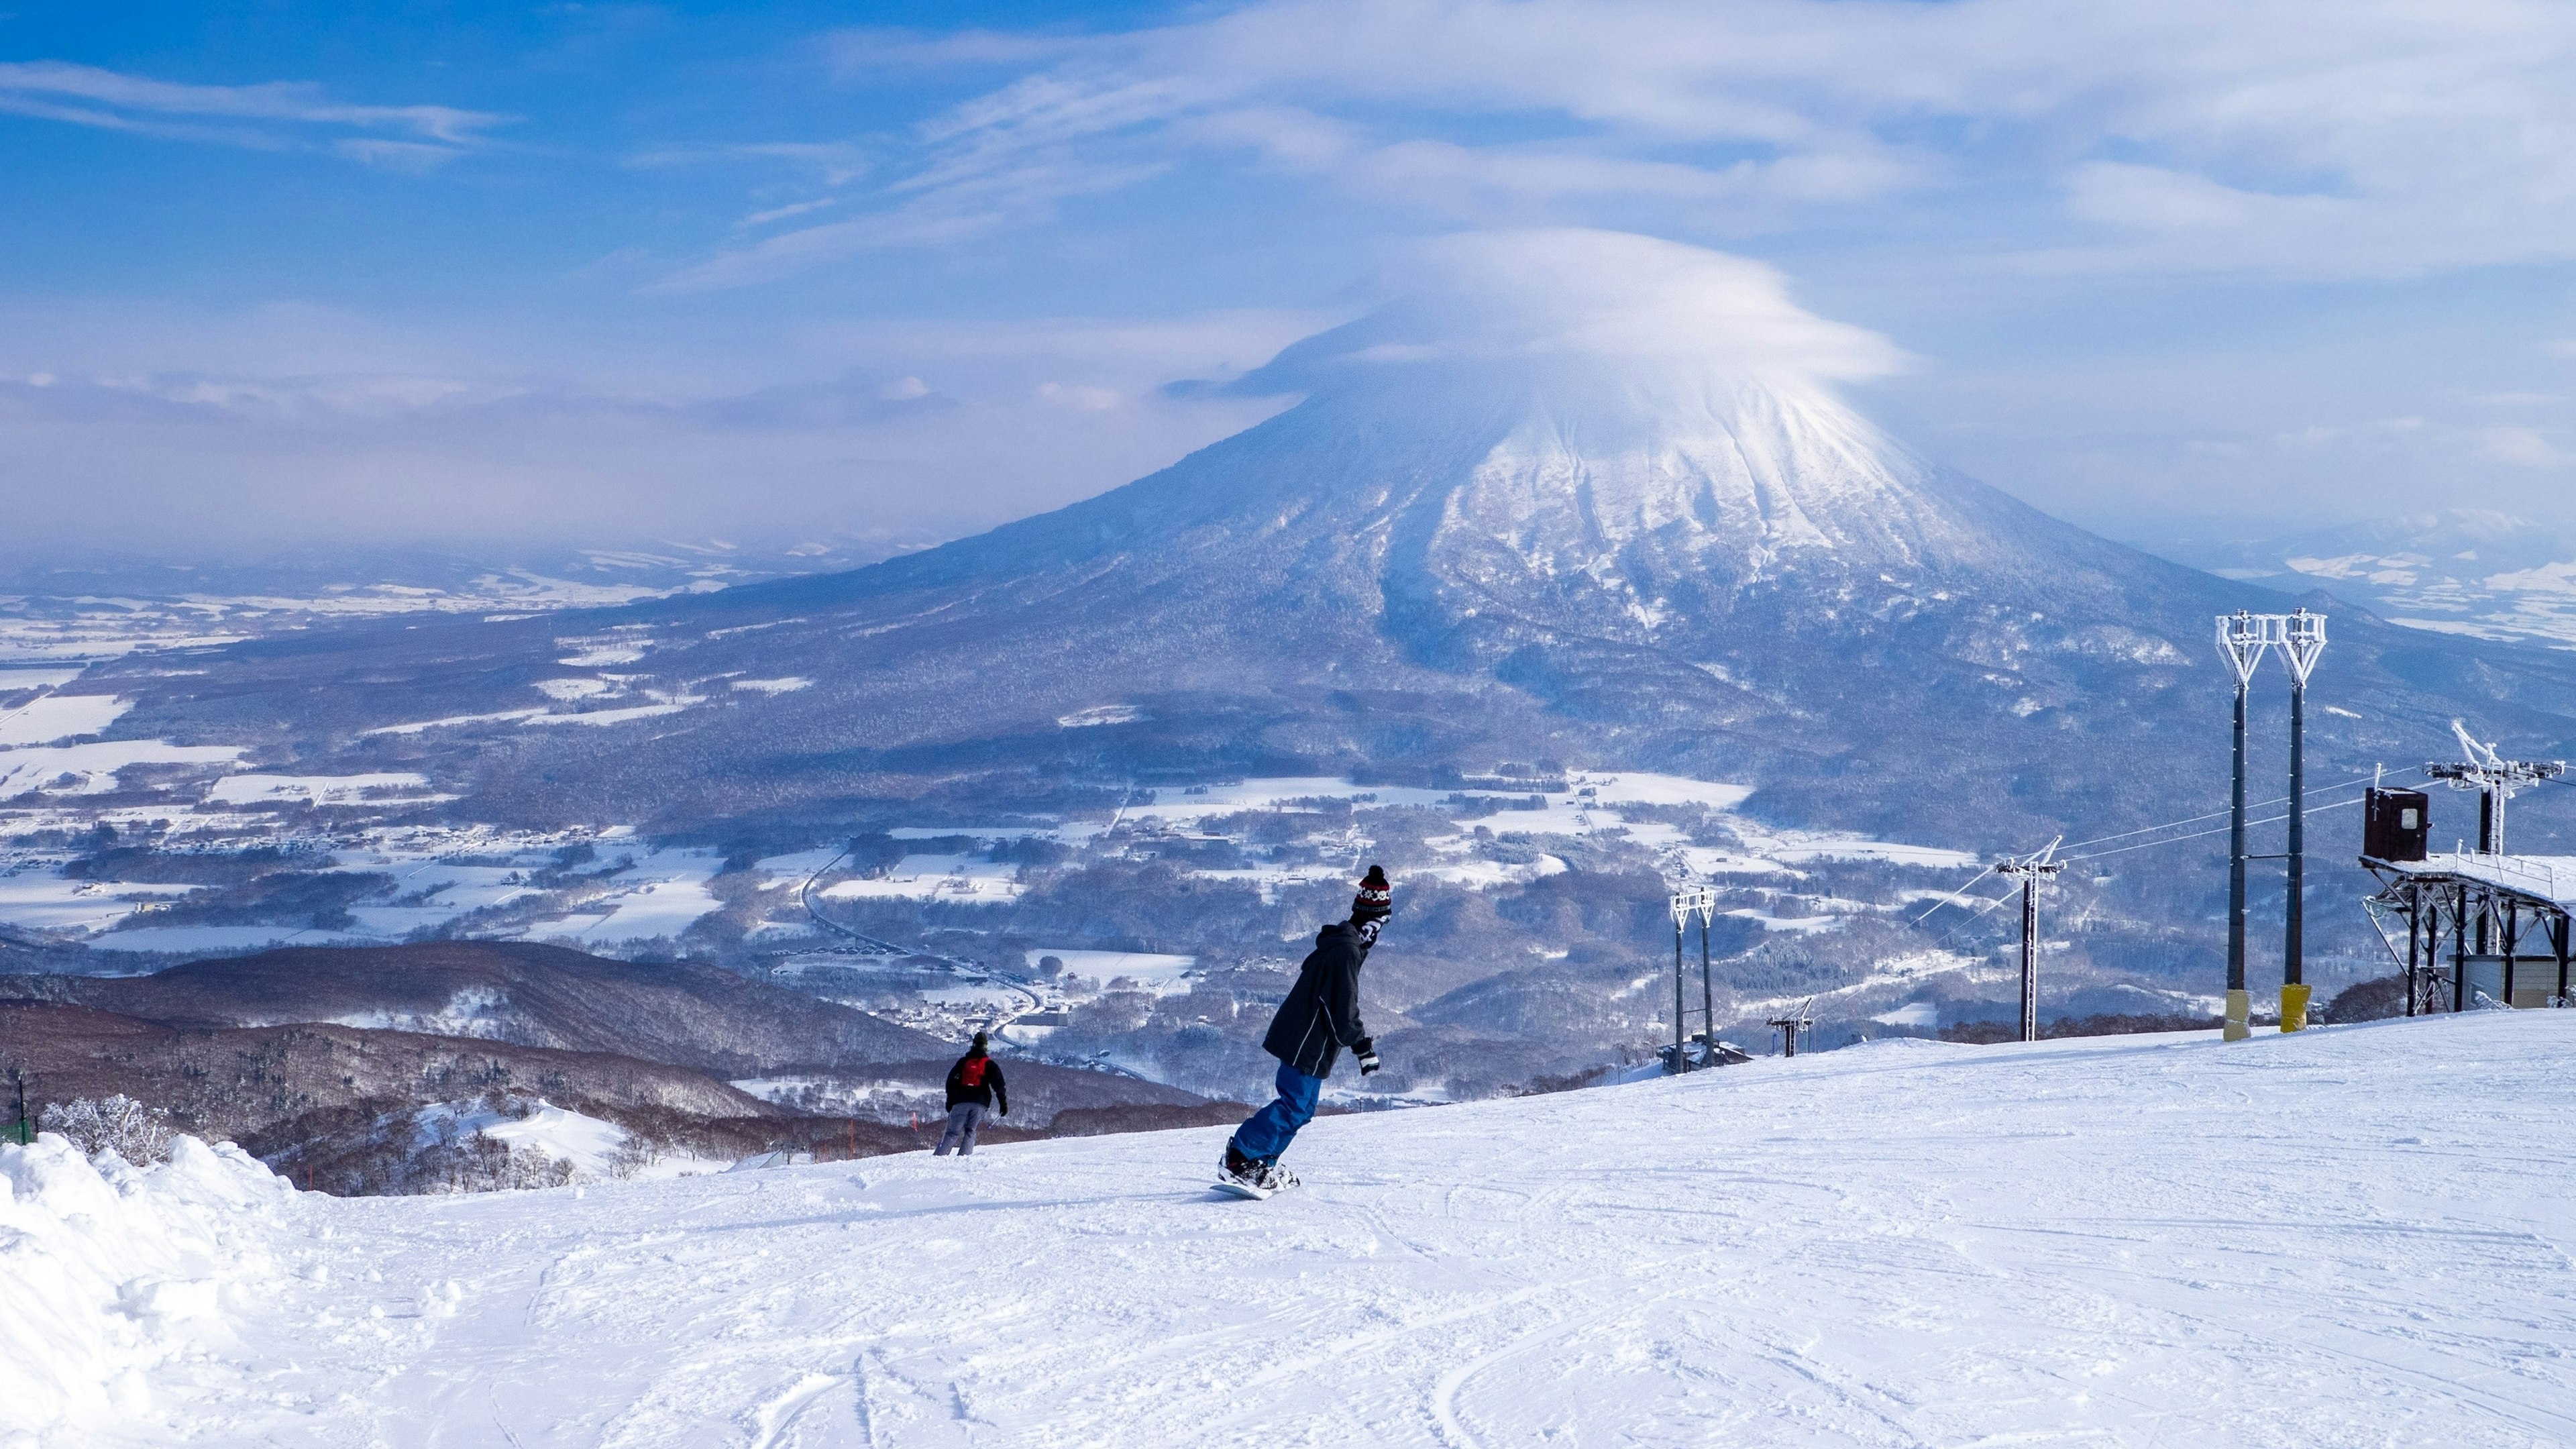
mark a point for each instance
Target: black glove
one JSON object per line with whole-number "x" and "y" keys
{"x": 1365, "y": 1050}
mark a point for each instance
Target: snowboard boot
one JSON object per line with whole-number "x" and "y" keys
{"x": 1242, "y": 1169}
{"x": 1253, "y": 1172}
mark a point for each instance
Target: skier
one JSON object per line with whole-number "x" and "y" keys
{"x": 974, "y": 1087}
{"x": 1320, "y": 1017}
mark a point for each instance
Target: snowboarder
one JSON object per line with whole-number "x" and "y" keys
{"x": 1320, "y": 1017}
{"x": 974, "y": 1088}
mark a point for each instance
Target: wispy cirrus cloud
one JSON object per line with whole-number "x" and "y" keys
{"x": 277, "y": 115}
{"x": 834, "y": 163}
{"x": 927, "y": 212}
{"x": 2312, "y": 138}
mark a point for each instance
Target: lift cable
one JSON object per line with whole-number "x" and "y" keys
{"x": 2222, "y": 830}
{"x": 1954, "y": 897}
{"x": 2256, "y": 805}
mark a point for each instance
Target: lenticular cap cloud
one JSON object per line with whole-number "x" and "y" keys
{"x": 1593, "y": 297}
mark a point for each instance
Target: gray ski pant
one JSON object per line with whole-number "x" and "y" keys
{"x": 963, "y": 1119}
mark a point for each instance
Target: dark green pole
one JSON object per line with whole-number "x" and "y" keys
{"x": 2294, "y": 938}
{"x": 1707, "y": 996}
{"x": 1681, "y": 1062}
{"x": 2236, "y": 1004}
{"x": 2460, "y": 952}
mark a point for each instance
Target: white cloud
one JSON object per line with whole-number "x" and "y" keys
{"x": 936, "y": 215}
{"x": 274, "y": 114}
{"x": 2527, "y": 447}
{"x": 2310, "y": 137}
{"x": 1598, "y": 294}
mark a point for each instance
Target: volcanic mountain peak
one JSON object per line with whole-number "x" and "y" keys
{"x": 1729, "y": 474}
{"x": 1589, "y": 403}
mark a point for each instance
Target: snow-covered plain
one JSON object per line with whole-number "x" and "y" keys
{"x": 443, "y": 872}
{"x": 2352, "y": 1236}
{"x": 59, "y": 716}
{"x": 1163, "y": 975}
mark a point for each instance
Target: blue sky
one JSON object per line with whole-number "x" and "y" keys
{"x": 283, "y": 272}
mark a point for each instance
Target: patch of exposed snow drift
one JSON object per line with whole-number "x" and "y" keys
{"x": 110, "y": 1273}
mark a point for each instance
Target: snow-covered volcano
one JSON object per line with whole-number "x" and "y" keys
{"x": 1625, "y": 411}
{"x": 1582, "y": 496}
{"x": 1586, "y": 497}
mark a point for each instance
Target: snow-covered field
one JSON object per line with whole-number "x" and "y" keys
{"x": 443, "y": 872}
{"x": 1161, "y": 974}
{"x": 2353, "y": 1236}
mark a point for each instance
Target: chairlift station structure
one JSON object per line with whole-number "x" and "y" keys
{"x": 2479, "y": 926}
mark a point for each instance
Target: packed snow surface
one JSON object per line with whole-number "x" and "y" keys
{"x": 2351, "y": 1236}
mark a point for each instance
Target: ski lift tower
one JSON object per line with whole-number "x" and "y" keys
{"x": 2030, "y": 870}
{"x": 2242, "y": 638}
{"x": 2496, "y": 780}
{"x": 2301, "y": 638}
{"x": 1790, "y": 1025}
{"x": 1700, "y": 901}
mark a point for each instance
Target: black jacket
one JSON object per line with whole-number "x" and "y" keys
{"x": 1322, "y": 1013}
{"x": 989, "y": 1091}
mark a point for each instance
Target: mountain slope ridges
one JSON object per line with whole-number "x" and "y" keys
{"x": 541, "y": 996}
{"x": 239, "y": 1081}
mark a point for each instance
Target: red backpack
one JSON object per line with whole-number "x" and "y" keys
{"x": 970, "y": 1072}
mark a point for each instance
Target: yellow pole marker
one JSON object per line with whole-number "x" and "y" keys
{"x": 2238, "y": 1008}
{"x": 2294, "y": 1007}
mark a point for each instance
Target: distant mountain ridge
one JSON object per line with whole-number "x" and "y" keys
{"x": 246, "y": 1080}
{"x": 685, "y": 1015}
{"x": 311, "y": 1055}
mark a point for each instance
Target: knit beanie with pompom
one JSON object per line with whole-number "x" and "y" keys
{"x": 1376, "y": 900}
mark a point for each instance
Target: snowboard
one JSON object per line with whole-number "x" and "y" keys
{"x": 1233, "y": 1188}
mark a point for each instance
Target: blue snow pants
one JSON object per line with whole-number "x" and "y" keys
{"x": 1267, "y": 1133}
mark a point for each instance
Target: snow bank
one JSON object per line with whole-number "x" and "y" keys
{"x": 108, "y": 1271}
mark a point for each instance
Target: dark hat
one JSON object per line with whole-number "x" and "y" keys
{"x": 1376, "y": 900}
{"x": 978, "y": 1042}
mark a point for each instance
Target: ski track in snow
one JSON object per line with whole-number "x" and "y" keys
{"x": 2355, "y": 1236}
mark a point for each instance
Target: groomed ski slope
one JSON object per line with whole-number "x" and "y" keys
{"x": 2354, "y": 1236}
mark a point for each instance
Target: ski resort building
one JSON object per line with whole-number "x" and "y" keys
{"x": 2480, "y": 926}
